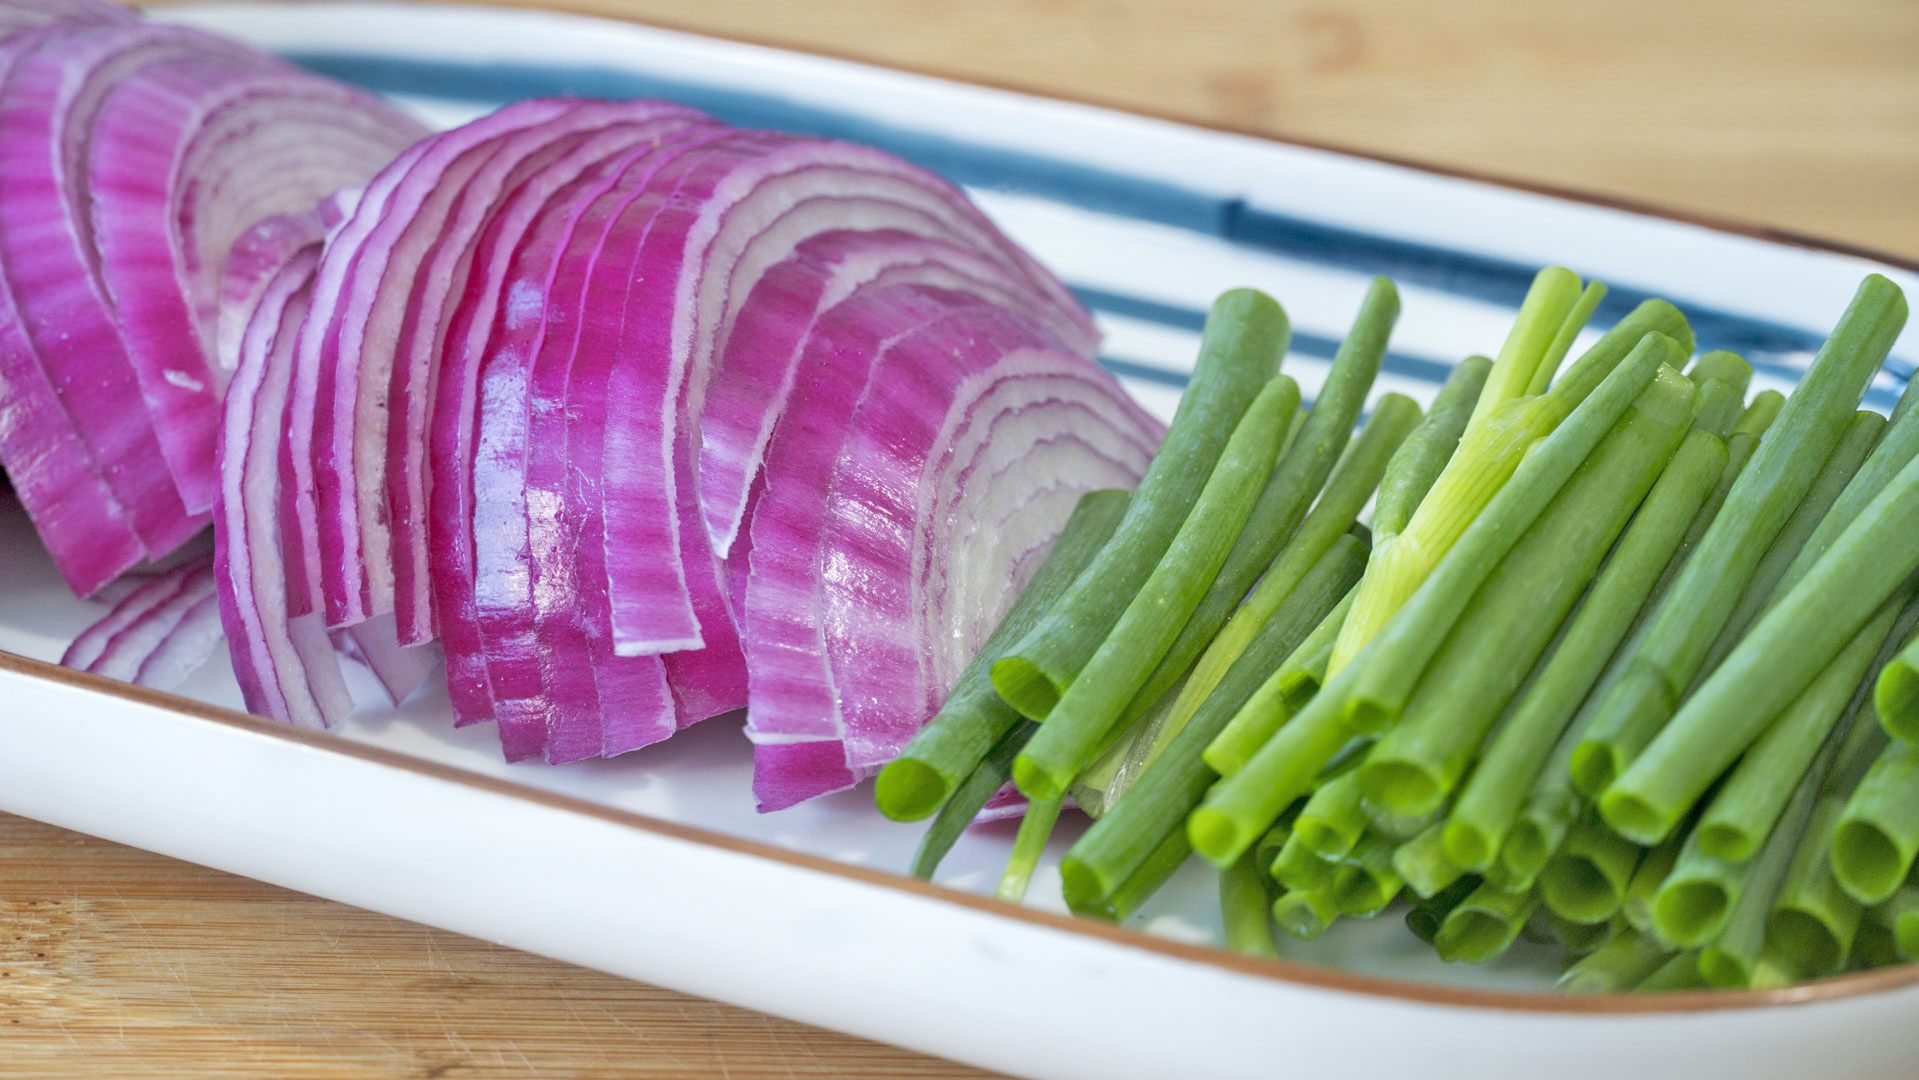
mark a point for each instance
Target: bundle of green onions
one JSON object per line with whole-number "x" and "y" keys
{"x": 1623, "y": 658}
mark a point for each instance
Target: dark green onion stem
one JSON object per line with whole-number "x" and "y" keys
{"x": 1507, "y": 625}
{"x": 1681, "y": 972}
{"x": 968, "y": 798}
{"x": 1877, "y": 838}
{"x": 1108, "y": 853}
{"x": 1586, "y": 880}
{"x": 1500, "y": 782}
{"x": 1075, "y": 729}
{"x": 1610, "y": 739}
{"x": 1788, "y": 646}
{"x": 1306, "y": 913}
{"x": 1283, "y": 503}
{"x": 1706, "y": 590}
{"x": 1755, "y": 793}
{"x": 1484, "y": 925}
{"x": 1425, "y": 917}
{"x": 1727, "y": 367}
{"x": 1422, "y": 863}
{"x": 1245, "y": 336}
{"x": 1621, "y": 964}
{"x": 1813, "y": 921}
{"x": 1769, "y": 576}
{"x": 1351, "y": 486}
{"x": 1245, "y": 908}
{"x": 974, "y": 717}
{"x": 1367, "y": 882}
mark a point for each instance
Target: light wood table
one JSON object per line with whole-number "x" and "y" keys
{"x": 1801, "y": 116}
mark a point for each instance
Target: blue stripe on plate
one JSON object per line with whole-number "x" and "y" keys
{"x": 1473, "y": 275}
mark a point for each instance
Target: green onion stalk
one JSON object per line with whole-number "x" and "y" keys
{"x": 1709, "y": 586}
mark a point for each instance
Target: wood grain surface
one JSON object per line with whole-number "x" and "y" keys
{"x": 1802, "y": 116}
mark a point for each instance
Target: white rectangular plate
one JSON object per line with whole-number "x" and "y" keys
{"x": 655, "y": 866}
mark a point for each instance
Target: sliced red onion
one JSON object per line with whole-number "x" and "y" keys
{"x": 125, "y": 653}
{"x": 424, "y": 332}
{"x": 147, "y": 593}
{"x": 615, "y": 703}
{"x": 255, "y": 257}
{"x": 21, "y": 16}
{"x": 185, "y": 155}
{"x": 981, "y": 413}
{"x": 735, "y": 213}
{"x": 48, "y": 106}
{"x": 187, "y": 648}
{"x": 792, "y": 697}
{"x": 284, "y": 662}
{"x": 766, "y": 332}
{"x": 401, "y": 669}
{"x": 330, "y": 346}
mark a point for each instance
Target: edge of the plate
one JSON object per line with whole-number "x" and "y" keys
{"x": 1651, "y": 208}
{"x": 1294, "y": 973}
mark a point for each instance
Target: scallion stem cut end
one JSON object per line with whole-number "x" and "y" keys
{"x": 1866, "y": 861}
{"x": 909, "y": 790}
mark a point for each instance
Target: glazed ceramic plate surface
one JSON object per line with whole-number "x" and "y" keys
{"x": 655, "y": 866}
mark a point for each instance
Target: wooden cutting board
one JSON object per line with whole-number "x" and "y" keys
{"x": 116, "y": 962}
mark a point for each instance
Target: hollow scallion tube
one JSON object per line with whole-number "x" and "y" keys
{"x": 1348, "y": 490}
{"x": 1245, "y": 908}
{"x": 1813, "y": 920}
{"x": 1738, "y": 956}
{"x": 1899, "y": 914}
{"x": 1484, "y": 925}
{"x": 1492, "y": 797}
{"x": 968, "y": 798}
{"x": 1681, "y": 972}
{"x": 1788, "y": 646}
{"x": 1297, "y": 866}
{"x": 1425, "y": 917}
{"x": 1551, "y": 809}
{"x": 1108, "y": 853}
{"x": 1877, "y": 837}
{"x": 1422, "y": 864}
{"x": 1306, "y": 913}
{"x": 1896, "y": 696}
{"x": 1770, "y": 575}
{"x": 1035, "y": 828}
{"x": 974, "y": 717}
{"x": 1281, "y": 508}
{"x": 1333, "y": 820}
{"x": 1622, "y": 963}
{"x": 1577, "y": 937}
{"x": 1703, "y": 897}
{"x": 1490, "y": 453}
{"x": 1727, "y": 367}
{"x": 1076, "y": 727}
{"x": 1761, "y": 412}
{"x": 1157, "y": 868}
{"x": 1586, "y": 880}
{"x": 1651, "y": 873}
{"x": 1706, "y": 590}
{"x": 1246, "y": 333}
{"x": 1508, "y": 623}
{"x": 1365, "y": 883}
{"x": 1755, "y": 793}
